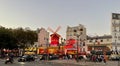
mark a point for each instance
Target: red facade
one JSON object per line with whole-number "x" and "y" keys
{"x": 70, "y": 43}
{"x": 54, "y": 39}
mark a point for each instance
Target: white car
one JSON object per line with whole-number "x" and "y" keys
{"x": 114, "y": 57}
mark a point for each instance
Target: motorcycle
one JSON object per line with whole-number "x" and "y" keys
{"x": 9, "y": 60}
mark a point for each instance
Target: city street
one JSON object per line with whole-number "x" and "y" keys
{"x": 59, "y": 63}
{"x": 35, "y": 63}
{"x": 87, "y": 63}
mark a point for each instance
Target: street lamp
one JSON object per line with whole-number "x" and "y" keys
{"x": 77, "y": 58}
{"x": 62, "y": 43}
{"x": 95, "y": 40}
{"x": 47, "y": 49}
{"x": 94, "y": 44}
{"x": 115, "y": 46}
{"x": 47, "y": 45}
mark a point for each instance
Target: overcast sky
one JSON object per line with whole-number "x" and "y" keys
{"x": 95, "y": 15}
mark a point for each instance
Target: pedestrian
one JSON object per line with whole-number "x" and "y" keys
{"x": 94, "y": 58}
{"x": 105, "y": 58}
{"x": 85, "y": 58}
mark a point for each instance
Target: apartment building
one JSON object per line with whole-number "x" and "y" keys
{"x": 43, "y": 38}
{"x": 79, "y": 34}
{"x": 115, "y": 31}
{"x": 99, "y": 43}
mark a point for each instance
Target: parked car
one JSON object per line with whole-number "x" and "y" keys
{"x": 114, "y": 57}
{"x": 26, "y": 58}
{"x": 42, "y": 57}
{"x": 49, "y": 57}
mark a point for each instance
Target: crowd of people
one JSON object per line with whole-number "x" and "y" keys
{"x": 88, "y": 57}
{"x": 5, "y": 52}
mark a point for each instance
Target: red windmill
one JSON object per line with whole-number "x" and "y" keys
{"x": 54, "y": 37}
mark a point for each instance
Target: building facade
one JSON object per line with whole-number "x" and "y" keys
{"x": 115, "y": 31}
{"x": 99, "y": 43}
{"x": 43, "y": 38}
{"x": 79, "y": 34}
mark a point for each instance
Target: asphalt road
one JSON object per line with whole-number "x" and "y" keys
{"x": 34, "y": 63}
{"x": 57, "y": 63}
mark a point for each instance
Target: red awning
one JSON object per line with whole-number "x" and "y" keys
{"x": 68, "y": 46}
{"x": 71, "y": 48}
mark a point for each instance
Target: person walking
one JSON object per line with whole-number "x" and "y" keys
{"x": 85, "y": 58}
{"x": 105, "y": 58}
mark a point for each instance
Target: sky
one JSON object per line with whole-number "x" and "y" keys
{"x": 95, "y": 15}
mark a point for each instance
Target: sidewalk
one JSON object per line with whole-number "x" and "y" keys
{"x": 87, "y": 63}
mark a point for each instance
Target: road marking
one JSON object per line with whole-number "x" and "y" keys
{"x": 21, "y": 62}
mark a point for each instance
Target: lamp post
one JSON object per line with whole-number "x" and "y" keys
{"x": 94, "y": 43}
{"x": 116, "y": 46}
{"x": 62, "y": 44}
{"x": 19, "y": 53}
{"x": 77, "y": 58}
{"x": 47, "y": 49}
{"x": 61, "y": 48}
{"x": 47, "y": 45}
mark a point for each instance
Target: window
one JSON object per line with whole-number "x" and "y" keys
{"x": 118, "y": 37}
{"x": 90, "y": 41}
{"x": 83, "y": 49}
{"x": 114, "y": 16}
{"x": 118, "y": 16}
{"x": 113, "y": 24}
{"x": 83, "y": 43}
{"x": 95, "y": 40}
{"x": 75, "y": 30}
{"x": 115, "y": 36}
{"x": 81, "y": 33}
{"x": 101, "y": 40}
{"x": 115, "y": 30}
{"x": 81, "y": 29}
{"x": 119, "y": 26}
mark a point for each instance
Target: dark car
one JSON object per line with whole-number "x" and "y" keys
{"x": 26, "y": 58}
{"x": 48, "y": 57}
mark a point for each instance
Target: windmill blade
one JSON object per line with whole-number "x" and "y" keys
{"x": 58, "y": 28}
{"x": 50, "y": 30}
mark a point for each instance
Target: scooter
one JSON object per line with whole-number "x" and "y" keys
{"x": 9, "y": 60}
